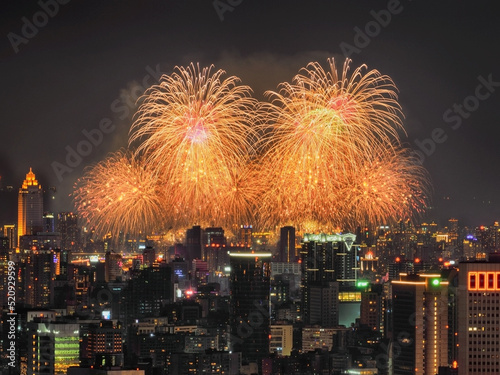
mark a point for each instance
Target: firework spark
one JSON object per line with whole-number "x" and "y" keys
{"x": 195, "y": 130}
{"x": 119, "y": 194}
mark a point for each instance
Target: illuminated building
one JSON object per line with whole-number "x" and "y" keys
{"x": 30, "y": 207}
{"x": 214, "y": 250}
{"x": 478, "y": 317}
{"x": 10, "y": 231}
{"x": 37, "y": 277}
{"x": 49, "y": 224}
{"x": 104, "y": 344}
{"x": 249, "y": 318}
{"x": 419, "y": 324}
{"x": 372, "y": 307}
{"x": 67, "y": 226}
{"x": 329, "y": 268}
{"x": 287, "y": 245}
{"x": 52, "y": 347}
{"x": 281, "y": 341}
{"x": 245, "y": 236}
{"x": 369, "y": 262}
{"x": 326, "y": 339}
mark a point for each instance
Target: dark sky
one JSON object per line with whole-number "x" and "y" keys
{"x": 89, "y": 58}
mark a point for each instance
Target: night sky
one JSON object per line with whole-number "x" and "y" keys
{"x": 89, "y": 60}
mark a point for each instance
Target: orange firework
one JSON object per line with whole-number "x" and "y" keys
{"x": 393, "y": 187}
{"x": 119, "y": 194}
{"x": 195, "y": 130}
{"x": 321, "y": 129}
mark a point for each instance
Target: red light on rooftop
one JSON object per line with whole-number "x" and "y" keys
{"x": 440, "y": 259}
{"x": 398, "y": 259}
{"x": 417, "y": 260}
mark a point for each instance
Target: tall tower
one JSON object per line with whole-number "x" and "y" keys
{"x": 30, "y": 207}
{"x": 287, "y": 244}
{"x": 250, "y": 286}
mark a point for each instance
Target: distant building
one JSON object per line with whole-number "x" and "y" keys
{"x": 30, "y": 207}
{"x": 67, "y": 226}
{"x": 194, "y": 242}
{"x": 113, "y": 262}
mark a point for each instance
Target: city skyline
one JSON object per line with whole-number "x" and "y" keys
{"x": 448, "y": 62}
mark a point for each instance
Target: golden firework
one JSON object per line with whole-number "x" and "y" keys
{"x": 120, "y": 195}
{"x": 195, "y": 130}
{"x": 321, "y": 130}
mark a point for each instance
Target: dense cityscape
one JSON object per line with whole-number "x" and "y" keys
{"x": 249, "y": 187}
{"x": 382, "y": 300}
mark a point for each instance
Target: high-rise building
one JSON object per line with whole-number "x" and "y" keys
{"x": 67, "y": 226}
{"x": 194, "y": 242}
{"x": 419, "y": 324}
{"x": 287, "y": 245}
{"x": 213, "y": 243}
{"x": 49, "y": 223}
{"x": 250, "y": 289}
{"x": 478, "y": 317}
{"x": 37, "y": 277}
{"x": 30, "y": 207}
{"x": 372, "y": 307}
{"x": 328, "y": 267}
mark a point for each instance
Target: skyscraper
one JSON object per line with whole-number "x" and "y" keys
{"x": 328, "y": 266}
{"x": 419, "y": 324}
{"x": 249, "y": 321}
{"x": 194, "y": 242}
{"x": 287, "y": 245}
{"x": 478, "y": 317}
{"x": 30, "y": 207}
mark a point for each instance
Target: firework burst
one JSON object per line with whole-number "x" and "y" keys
{"x": 119, "y": 194}
{"x": 395, "y": 186}
{"x": 321, "y": 129}
{"x": 195, "y": 130}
